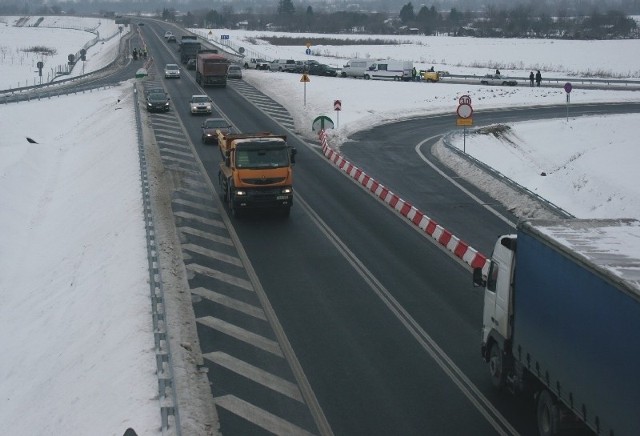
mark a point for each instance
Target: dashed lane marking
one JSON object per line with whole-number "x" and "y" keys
{"x": 213, "y": 254}
{"x": 219, "y": 275}
{"x": 203, "y": 220}
{"x": 206, "y": 235}
{"x": 256, "y": 374}
{"x": 259, "y": 416}
{"x": 231, "y": 303}
{"x": 243, "y": 335}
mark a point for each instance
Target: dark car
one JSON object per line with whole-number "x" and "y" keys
{"x": 210, "y": 127}
{"x": 191, "y": 64}
{"x": 157, "y": 102}
{"x": 171, "y": 38}
{"x": 154, "y": 90}
{"x": 322, "y": 70}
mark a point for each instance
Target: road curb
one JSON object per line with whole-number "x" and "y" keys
{"x": 442, "y": 236}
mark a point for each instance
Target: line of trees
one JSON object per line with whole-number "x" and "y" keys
{"x": 527, "y": 20}
{"x": 520, "y": 21}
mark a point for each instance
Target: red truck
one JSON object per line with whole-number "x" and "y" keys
{"x": 211, "y": 69}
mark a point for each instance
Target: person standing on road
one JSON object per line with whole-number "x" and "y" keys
{"x": 414, "y": 74}
{"x": 538, "y": 78}
{"x": 531, "y": 79}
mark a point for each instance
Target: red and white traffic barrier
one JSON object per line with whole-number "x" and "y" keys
{"x": 452, "y": 243}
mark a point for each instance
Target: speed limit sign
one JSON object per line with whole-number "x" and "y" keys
{"x": 465, "y": 99}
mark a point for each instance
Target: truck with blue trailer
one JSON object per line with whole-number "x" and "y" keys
{"x": 561, "y": 322}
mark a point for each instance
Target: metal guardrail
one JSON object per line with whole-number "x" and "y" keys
{"x": 556, "y": 81}
{"x": 169, "y": 413}
{"x": 60, "y": 87}
{"x": 446, "y": 140}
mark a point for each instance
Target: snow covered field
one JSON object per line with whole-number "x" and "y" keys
{"x": 75, "y": 322}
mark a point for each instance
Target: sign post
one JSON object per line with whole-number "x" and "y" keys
{"x": 305, "y": 79}
{"x": 464, "y": 111}
{"x": 337, "y": 106}
{"x": 567, "y": 88}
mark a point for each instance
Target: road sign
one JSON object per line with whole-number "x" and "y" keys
{"x": 322, "y": 123}
{"x": 337, "y": 105}
{"x": 464, "y": 122}
{"x": 568, "y": 87}
{"x": 224, "y": 36}
{"x": 465, "y": 111}
{"x": 305, "y": 78}
{"x": 465, "y": 99}
{"x": 308, "y": 51}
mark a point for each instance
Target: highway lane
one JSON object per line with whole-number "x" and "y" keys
{"x": 385, "y": 325}
{"x": 382, "y": 149}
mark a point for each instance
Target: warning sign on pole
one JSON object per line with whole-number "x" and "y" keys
{"x": 337, "y": 105}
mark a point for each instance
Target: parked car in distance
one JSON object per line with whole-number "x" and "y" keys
{"x": 283, "y": 65}
{"x": 496, "y": 79}
{"x": 322, "y": 70}
{"x": 308, "y": 63}
{"x": 303, "y": 66}
{"x": 234, "y": 72}
{"x": 256, "y": 64}
{"x": 171, "y": 71}
{"x": 430, "y": 76}
{"x": 200, "y": 104}
{"x": 172, "y": 38}
{"x": 299, "y": 68}
{"x": 167, "y": 34}
{"x": 157, "y": 102}
{"x": 210, "y": 128}
{"x": 357, "y": 67}
{"x": 191, "y": 64}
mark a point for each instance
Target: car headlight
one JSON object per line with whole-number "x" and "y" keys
{"x": 241, "y": 193}
{"x": 287, "y": 190}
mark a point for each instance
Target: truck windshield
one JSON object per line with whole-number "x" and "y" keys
{"x": 262, "y": 155}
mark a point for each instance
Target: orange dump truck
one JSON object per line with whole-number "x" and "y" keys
{"x": 256, "y": 171}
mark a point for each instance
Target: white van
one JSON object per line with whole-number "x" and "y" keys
{"x": 357, "y": 68}
{"x": 390, "y": 69}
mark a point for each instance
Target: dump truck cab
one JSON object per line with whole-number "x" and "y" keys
{"x": 256, "y": 171}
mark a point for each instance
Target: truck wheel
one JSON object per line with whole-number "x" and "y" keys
{"x": 367, "y": 77}
{"x": 343, "y": 75}
{"x": 223, "y": 187}
{"x": 547, "y": 413}
{"x": 246, "y": 66}
{"x": 235, "y": 212}
{"x": 496, "y": 366}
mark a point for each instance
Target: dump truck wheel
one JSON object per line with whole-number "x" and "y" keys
{"x": 547, "y": 414}
{"x": 496, "y": 366}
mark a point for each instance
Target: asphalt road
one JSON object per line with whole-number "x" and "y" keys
{"x": 381, "y": 327}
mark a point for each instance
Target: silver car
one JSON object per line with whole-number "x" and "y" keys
{"x": 171, "y": 71}
{"x": 200, "y": 104}
{"x": 496, "y": 79}
{"x": 234, "y": 72}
